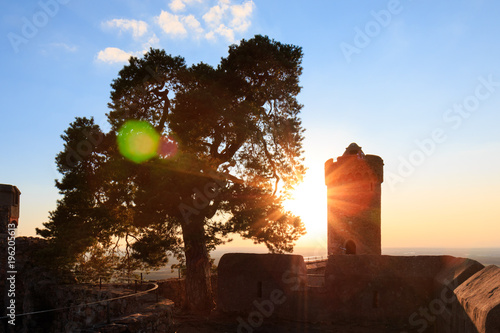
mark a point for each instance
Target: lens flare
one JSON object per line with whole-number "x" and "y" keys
{"x": 138, "y": 141}
{"x": 167, "y": 147}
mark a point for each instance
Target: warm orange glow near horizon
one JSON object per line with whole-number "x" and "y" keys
{"x": 309, "y": 202}
{"x": 438, "y": 207}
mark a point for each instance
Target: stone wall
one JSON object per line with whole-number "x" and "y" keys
{"x": 416, "y": 294}
{"x": 392, "y": 288}
{"x": 266, "y": 283}
{"x": 419, "y": 294}
{"x": 38, "y": 289}
{"x": 476, "y": 305}
{"x": 175, "y": 290}
{"x": 28, "y": 275}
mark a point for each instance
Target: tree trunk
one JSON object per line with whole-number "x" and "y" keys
{"x": 198, "y": 282}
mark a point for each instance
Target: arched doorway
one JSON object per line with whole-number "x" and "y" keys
{"x": 350, "y": 247}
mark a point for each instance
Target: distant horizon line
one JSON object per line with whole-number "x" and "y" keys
{"x": 388, "y": 247}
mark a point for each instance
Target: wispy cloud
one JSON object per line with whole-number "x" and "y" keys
{"x": 225, "y": 19}
{"x": 152, "y": 41}
{"x": 177, "y": 5}
{"x": 138, "y": 28}
{"x": 241, "y": 16}
{"x": 180, "y": 5}
{"x": 112, "y": 55}
{"x": 171, "y": 24}
{"x": 65, "y": 47}
{"x": 226, "y": 32}
{"x": 216, "y": 13}
{"x": 193, "y": 24}
{"x": 195, "y": 19}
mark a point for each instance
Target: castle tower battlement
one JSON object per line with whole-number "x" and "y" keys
{"x": 9, "y": 206}
{"x": 354, "y": 202}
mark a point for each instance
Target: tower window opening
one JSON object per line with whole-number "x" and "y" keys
{"x": 350, "y": 247}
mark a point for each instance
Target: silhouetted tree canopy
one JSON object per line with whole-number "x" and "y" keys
{"x": 238, "y": 152}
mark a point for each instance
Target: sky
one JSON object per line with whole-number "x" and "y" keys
{"x": 415, "y": 82}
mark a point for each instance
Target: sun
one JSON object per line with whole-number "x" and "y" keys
{"x": 309, "y": 202}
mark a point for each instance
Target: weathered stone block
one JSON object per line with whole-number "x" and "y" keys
{"x": 479, "y": 296}
{"x": 273, "y": 282}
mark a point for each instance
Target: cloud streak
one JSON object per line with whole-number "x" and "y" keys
{"x": 138, "y": 28}
{"x": 65, "y": 47}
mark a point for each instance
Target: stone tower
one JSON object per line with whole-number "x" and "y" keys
{"x": 354, "y": 202}
{"x": 9, "y": 206}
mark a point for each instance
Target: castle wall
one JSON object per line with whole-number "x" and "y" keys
{"x": 9, "y": 206}
{"x": 393, "y": 289}
{"x": 9, "y": 196}
{"x": 411, "y": 292}
{"x": 261, "y": 285}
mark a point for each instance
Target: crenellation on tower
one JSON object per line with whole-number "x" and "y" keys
{"x": 354, "y": 202}
{"x": 9, "y": 206}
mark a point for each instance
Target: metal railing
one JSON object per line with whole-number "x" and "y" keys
{"x": 315, "y": 258}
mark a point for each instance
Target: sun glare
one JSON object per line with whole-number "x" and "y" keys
{"x": 309, "y": 202}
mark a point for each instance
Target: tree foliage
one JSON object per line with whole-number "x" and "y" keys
{"x": 239, "y": 153}
{"x": 85, "y": 230}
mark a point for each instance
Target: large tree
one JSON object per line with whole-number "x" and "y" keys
{"x": 238, "y": 152}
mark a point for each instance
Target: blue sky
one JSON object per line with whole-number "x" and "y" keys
{"x": 415, "y": 82}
